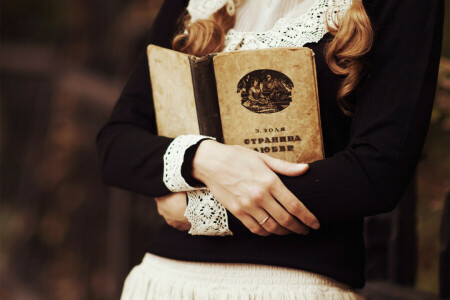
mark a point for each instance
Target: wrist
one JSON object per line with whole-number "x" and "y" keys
{"x": 187, "y": 166}
{"x": 202, "y": 158}
{"x": 177, "y": 163}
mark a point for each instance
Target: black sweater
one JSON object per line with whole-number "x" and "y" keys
{"x": 370, "y": 158}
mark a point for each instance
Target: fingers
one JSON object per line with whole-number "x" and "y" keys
{"x": 293, "y": 205}
{"x": 179, "y": 225}
{"x": 253, "y": 225}
{"x": 262, "y": 205}
{"x": 172, "y": 207}
{"x": 283, "y": 167}
{"x": 270, "y": 225}
{"x": 282, "y": 218}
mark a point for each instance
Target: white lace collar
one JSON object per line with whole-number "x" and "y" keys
{"x": 203, "y": 9}
{"x": 287, "y": 32}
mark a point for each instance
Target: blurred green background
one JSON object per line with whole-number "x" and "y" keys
{"x": 63, "y": 234}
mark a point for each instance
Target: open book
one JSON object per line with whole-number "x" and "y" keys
{"x": 265, "y": 100}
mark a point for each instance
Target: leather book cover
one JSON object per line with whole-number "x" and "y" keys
{"x": 268, "y": 102}
{"x": 206, "y": 97}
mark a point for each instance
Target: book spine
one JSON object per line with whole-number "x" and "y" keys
{"x": 205, "y": 93}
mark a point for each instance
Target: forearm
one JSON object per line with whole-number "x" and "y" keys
{"x": 130, "y": 151}
{"x": 132, "y": 158}
{"x": 390, "y": 122}
{"x": 389, "y": 125}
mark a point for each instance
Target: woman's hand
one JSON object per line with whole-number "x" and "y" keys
{"x": 245, "y": 182}
{"x": 171, "y": 208}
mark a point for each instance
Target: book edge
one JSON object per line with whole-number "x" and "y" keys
{"x": 313, "y": 56}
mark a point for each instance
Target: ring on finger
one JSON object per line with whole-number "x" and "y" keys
{"x": 264, "y": 221}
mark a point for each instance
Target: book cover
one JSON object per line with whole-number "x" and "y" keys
{"x": 265, "y": 100}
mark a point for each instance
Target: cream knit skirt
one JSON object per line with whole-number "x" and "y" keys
{"x": 162, "y": 278}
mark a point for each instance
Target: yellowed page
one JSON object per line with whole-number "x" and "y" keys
{"x": 173, "y": 93}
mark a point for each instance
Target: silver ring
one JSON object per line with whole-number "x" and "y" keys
{"x": 264, "y": 221}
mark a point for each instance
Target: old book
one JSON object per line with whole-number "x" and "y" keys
{"x": 265, "y": 100}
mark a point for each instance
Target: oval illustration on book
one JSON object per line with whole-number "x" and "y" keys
{"x": 265, "y": 91}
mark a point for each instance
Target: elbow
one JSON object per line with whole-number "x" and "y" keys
{"x": 126, "y": 167}
{"x": 102, "y": 148}
{"x": 111, "y": 170}
{"x": 389, "y": 193}
{"x": 384, "y": 176}
{"x": 387, "y": 204}
{"x": 378, "y": 203}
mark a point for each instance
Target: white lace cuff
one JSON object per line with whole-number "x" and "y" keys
{"x": 173, "y": 161}
{"x": 206, "y": 215}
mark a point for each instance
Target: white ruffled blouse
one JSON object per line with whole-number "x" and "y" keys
{"x": 259, "y": 24}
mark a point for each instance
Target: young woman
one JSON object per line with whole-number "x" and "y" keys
{"x": 261, "y": 228}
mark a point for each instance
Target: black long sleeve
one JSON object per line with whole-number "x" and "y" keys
{"x": 392, "y": 113}
{"x": 130, "y": 152}
{"x": 370, "y": 158}
{"x": 393, "y": 107}
{"x": 390, "y": 121}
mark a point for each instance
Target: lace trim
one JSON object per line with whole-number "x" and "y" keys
{"x": 206, "y": 215}
{"x": 173, "y": 160}
{"x": 310, "y": 27}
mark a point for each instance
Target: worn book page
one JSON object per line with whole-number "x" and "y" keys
{"x": 173, "y": 93}
{"x": 269, "y": 103}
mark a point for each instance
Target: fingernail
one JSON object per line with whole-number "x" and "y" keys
{"x": 315, "y": 225}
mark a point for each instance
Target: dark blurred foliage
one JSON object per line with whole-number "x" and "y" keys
{"x": 63, "y": 234}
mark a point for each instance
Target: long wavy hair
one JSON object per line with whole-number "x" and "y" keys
{"x": 344, "y": 53}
